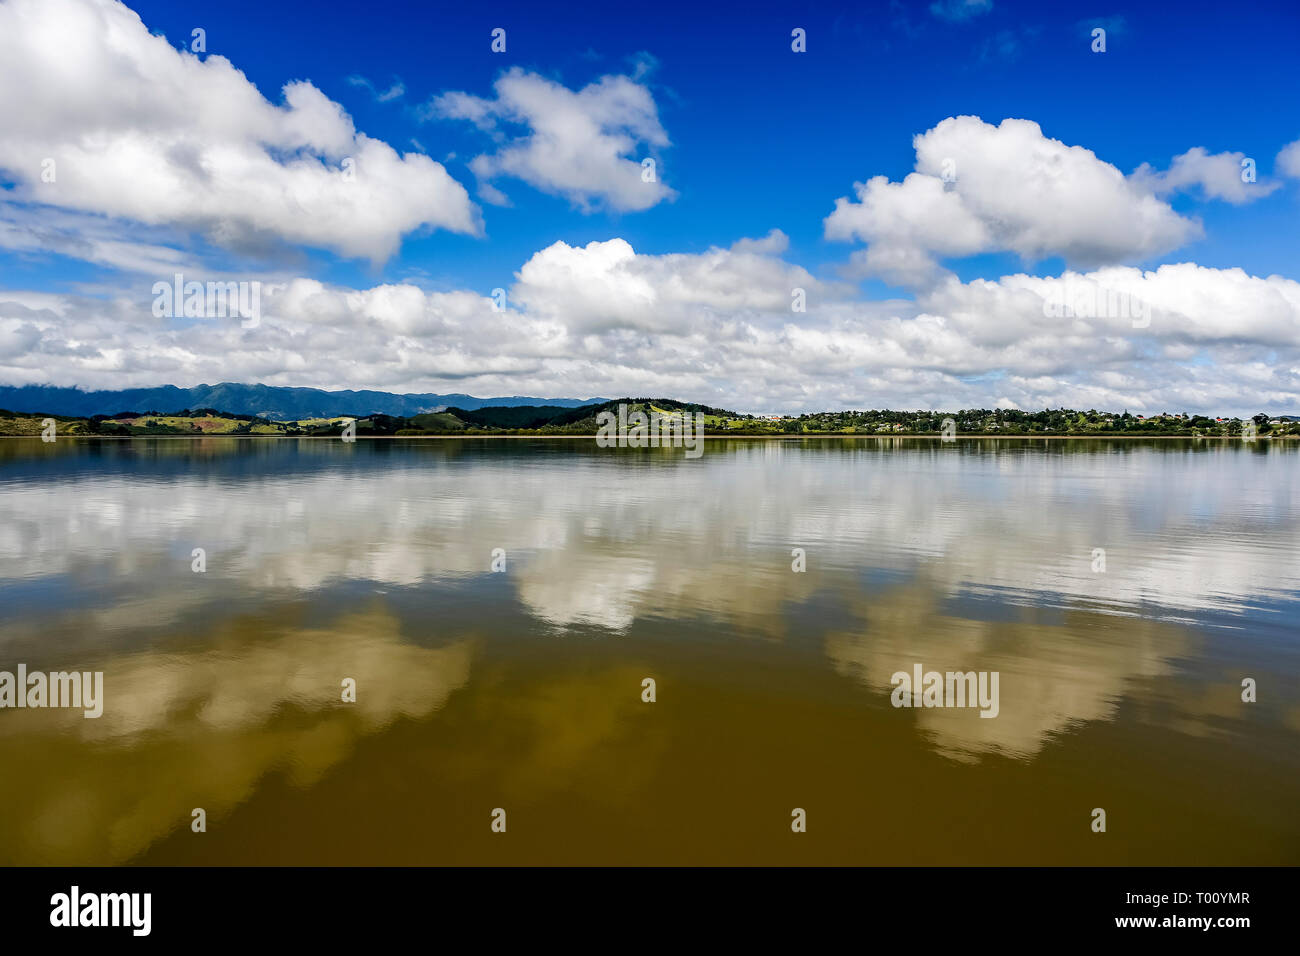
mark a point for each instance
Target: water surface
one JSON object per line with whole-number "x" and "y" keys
{"x": 522, "y": 689}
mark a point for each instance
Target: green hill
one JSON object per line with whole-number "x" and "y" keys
{"x": 581, "y": 420}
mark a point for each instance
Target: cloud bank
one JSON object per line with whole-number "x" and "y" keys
{"x": 717, "y": 326}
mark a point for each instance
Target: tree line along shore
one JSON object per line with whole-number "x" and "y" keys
{"x": 582, "y": 421}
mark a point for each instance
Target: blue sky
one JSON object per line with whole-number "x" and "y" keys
{"x": 765, "y": 139}
{"x": 756, "y": 138}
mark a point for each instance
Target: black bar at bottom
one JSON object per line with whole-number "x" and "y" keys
{"x": 330, "y": 905}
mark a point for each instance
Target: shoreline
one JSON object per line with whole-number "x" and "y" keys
{"x": 707, "y": 437}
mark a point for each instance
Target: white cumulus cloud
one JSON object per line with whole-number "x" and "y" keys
{"x": 1228, "y": 176}
{"x": 983, "y": 188}
{"x": 1288, "y": 160}
{"x": 584, "y": 145}
{"x": 133, "y": 128}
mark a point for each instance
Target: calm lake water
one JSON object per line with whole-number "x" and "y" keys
{"x": 522, "y": 689}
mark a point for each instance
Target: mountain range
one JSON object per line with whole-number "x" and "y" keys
{"x": 279, "y": 403}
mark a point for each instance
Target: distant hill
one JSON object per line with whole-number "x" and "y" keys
{"x": 580, "y": 419}
{"x": 492, "y": 420}
{"x": 276, "y": 403}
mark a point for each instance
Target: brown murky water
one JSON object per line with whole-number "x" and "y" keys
{"x": 522, "y": 689}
